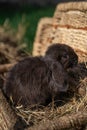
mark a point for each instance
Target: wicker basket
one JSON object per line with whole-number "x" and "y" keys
{"x": 68, "y": 26}
{"x": 42, "y": 35}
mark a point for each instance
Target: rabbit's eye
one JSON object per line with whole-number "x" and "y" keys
{"x": 65, "y": 56}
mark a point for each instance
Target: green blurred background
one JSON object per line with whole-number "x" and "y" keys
{"x": 31, "y": 17}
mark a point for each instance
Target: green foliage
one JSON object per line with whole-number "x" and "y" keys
{"x": 31, "y": 17}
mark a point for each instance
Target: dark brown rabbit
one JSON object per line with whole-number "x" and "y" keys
{"x": 34, "y": 80}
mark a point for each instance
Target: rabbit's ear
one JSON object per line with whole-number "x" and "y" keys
{"x": 64, "y": 58}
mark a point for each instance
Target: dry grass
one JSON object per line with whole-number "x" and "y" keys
{"x": 12, "y": 47}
